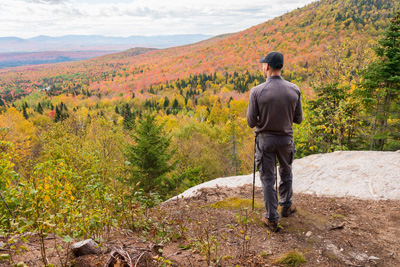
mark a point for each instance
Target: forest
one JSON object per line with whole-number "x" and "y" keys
{"x": 90, "y": 146}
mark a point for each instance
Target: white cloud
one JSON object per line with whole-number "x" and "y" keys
{"x": 47, "y": 1}
{"x": 29, "y": 18}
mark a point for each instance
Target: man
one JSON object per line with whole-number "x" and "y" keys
{"x": 273, "y": 107}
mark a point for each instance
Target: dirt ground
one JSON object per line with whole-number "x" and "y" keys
{"x": 218, "y": 228}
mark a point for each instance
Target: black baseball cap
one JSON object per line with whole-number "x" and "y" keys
{"x": 274, "y": 59}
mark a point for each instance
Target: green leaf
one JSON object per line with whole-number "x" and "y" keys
{"x": 67, "y": 239}
{"x": 33, "y": 192}
{"x": 4, "y": 257}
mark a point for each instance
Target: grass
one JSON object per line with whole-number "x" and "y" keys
{"x": 265, "y": 254}
{"x": 292, "y": 258}
{"x": 337, "y": 216}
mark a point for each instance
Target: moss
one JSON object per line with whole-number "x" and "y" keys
{"x": 265, "y": 254}
{"x": 292, "y": 227}
{"x": 236, "y": 203}
{"x": 292, "y": 258}
{"x": 331, "y": 256}
{"x": 311, "y": 240}
{"x": 315, "y": 219}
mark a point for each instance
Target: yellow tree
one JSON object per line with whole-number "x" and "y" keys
{"x": 201, "y": 113}
{"x": 20, "y": 132}
{"x": 218, "y": 113}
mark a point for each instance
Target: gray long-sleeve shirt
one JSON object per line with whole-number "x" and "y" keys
{"x": 273, "y": 107}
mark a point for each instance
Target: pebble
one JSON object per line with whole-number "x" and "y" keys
{"x": 373, "y": 258}
{"x": 308, "y": 234}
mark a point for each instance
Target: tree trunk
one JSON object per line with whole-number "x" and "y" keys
{"x": 374, "y": 124}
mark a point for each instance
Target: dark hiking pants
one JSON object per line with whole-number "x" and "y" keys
{"x": 268, "y": 148}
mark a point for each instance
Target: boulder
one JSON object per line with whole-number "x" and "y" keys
{"x": 85, "y": 247}
{"x": 360, "y": 174}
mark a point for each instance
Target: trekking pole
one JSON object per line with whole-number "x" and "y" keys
{"x": 254, "y": 171}
{"x": 276, "y": 177}
{"x": 12, "y": 215}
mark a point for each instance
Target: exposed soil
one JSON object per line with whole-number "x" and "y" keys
{"x": 327, "y": 231}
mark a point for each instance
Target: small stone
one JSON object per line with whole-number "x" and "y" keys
{"x": 85, "y": 247}
{"x": 359, "y": 256}
{"x": 332, "y": 248}
{"x": 373, "y": 258}
{"x": 308, "y": 234}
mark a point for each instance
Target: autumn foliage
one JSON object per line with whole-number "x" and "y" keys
{"x": 68, "y": 132}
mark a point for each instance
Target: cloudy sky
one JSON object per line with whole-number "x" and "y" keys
{"x": 29, "y": 18}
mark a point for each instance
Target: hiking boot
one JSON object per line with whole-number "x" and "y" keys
{"x": 287, "y": 211}
{"x": 273, "y": 226}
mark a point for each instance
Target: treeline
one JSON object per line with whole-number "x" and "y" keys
{"x": 304, "y": 36}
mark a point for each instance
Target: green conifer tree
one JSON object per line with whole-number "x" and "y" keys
{"x": 150, "y": 155}
{"x": 24, "y": 112}
{"x": 381, "y": 87}
{"x": 39, "y": 108}
{"x": 129, "y": 117}
{"x": 175, "y": 104}
{"x": 166, "y": 102}
{"x": 57, "y": 115}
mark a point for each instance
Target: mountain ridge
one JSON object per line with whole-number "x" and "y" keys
{"x": 94, "y": 42}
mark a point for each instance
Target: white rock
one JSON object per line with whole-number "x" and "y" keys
{"x": 349, "y": 173}
{"x": 373, "y": 258}
{"x": 359, "y": 256}
{"x": 331, "y": 247}
{"x": 308, "y": 234}
{"x": 342, "y": 174}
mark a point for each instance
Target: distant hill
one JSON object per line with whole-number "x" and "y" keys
{"x": 94, "y": 42}
{"x": 34, "y": 58}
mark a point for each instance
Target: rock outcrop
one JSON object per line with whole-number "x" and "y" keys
{"x": 359, "y": 174}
